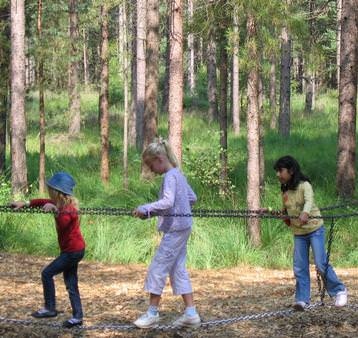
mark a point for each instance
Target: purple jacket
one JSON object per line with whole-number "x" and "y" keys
{"x": 175, "y": 197}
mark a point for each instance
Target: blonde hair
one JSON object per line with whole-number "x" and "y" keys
{"x": 62, "y": 199}
{"x": 160, "y": 147}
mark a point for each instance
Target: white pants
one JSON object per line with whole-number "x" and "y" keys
{"x": 170, "y": 258}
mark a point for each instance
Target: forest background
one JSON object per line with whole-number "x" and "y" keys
{"x": 233, "y": 84}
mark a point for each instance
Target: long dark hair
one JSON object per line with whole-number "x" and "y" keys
{"x": 292, "y": 165}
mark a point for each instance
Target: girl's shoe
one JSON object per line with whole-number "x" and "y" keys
{"x": 341, "y": 298}
{"x": 44, "y": 313}
{"x": 299, "y": 306}
{"x": 72, "y": 322}
{"x": 147, "y": 320}
{"x": 188, "y": 321}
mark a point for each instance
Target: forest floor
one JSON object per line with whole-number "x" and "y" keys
{"x": 114, "y": 294}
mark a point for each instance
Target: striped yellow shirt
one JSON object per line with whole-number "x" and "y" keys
{"x": 302, "y": 200}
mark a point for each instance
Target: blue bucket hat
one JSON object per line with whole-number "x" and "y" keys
{"x": 62, "y": 182}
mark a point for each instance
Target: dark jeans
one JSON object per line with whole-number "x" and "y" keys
{"x": 67, "y": 263}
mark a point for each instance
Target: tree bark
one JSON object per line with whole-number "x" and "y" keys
{"x": 17, "y": 114}
{"x": 346, "y": 148}
{"x": 253, "y": 137}
{"x": 261, "y": 134}
{"x": 339, "y": 28}
{"x": 40, "y": 81}
{"x": 132, "y": 120}
{"x": 85, "y": 60}
{"x": 273, "y": 105}
{"x": 235, "y": 78}
{"x": 211, "y": 71}
{"x": 223, "y": 121}
{"x": 176, "y": 77}
{"x": 191, "y": 51}
{"x": 103, "y": 98}
{"x": 285, "y": 84}
{"x": 151, "y": 78}
{"x": 165, "y": 98}
{"x": 141, "y": 65}
{"x": 125, "y": 68}
{"x": 4, "y": 88}
{"x": 73, "y": 84}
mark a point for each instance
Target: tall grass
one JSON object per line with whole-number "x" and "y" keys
{"x": 214, "y": 242}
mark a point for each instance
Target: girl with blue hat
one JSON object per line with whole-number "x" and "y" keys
{"x": 65, "y": 208}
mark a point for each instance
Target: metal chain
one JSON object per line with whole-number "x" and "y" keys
{"x": 128, "y": 327}
{"x": 321, "y": 279}
{"x": 195, "y": 213}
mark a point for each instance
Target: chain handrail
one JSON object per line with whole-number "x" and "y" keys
{"x": 207, "y": 213}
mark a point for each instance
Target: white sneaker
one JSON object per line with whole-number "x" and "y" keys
{"x": 341, "y": 298}
{"x": 188, "y": 321}
{"x": 299, "y": 306}
{"x": 147, "y": 320}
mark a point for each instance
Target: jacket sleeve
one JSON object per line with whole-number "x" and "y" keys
{"x": 191, "y": 195}
{"x": 66, "y": 217}
{"x": 39, "y": 202}
{"x": 166, "y": 202}
{"x": 308, "y": 197}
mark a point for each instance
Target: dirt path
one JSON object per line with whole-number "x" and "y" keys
{"x": 113, "y": 294}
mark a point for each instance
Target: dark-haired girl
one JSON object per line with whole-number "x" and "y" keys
{"x": 298, "y": 203}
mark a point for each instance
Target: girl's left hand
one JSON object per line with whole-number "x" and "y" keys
{"x": 48, "y": 207}
{"x": 303, "y": 218}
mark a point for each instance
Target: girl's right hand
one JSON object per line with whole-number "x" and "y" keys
{"x": 17, "y": 204}
{"x": 137, "y": 213}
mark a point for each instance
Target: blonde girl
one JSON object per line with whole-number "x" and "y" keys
{"x": 72, "y": 246}
{"x": 175, "y": 197}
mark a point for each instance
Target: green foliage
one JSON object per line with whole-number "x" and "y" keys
{"x": 215, "y": 242}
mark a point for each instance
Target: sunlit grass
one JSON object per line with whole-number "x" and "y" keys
{"x": 215, "y": 242}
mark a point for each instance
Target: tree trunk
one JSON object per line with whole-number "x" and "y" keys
{"x": 261, "y": 132}
{"x": 165, "y": 98}
{"x": 40, "y": 81}
{"x": 103, "y": 98}
{"x": 4, "y": 87}
{"x": 125, "y": 68}
{"x": 211, "y": 71}
{"x": 191, "y": 51}
{"x": 3, "y": 117}
{"x": 176, "y": 78}
{"x": 253, "y": 137}
{"x": 299, "y": 73}
{"x": 273, "y": 105}
{"x": 223, "y": 120}
{"x": 85, "y": 60}
{"x": 285, "y": 84}
{"x": 339, "y": 29}
{"x": 346, "y": 148}
{"x": 151, "y": 78}
{"x": 17, "y": 114}
{"x": 309, "y": 93}
{"x": 73, "y": 85}
{"x": 132, "y": 120}
{"x": 141, "y": 48}
{"x": 235, "y": 78}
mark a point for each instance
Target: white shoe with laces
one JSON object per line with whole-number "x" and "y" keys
{"x": 341, "y": 298}
{"x": 188, "y": 321}
{"x": 147, "y": 320}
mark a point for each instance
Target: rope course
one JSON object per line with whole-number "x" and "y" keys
{"x": 239, "y": 213}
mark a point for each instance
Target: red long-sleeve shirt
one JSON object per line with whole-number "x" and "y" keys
{"x": 68, "y": 229}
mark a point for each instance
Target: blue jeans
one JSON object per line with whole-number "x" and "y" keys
{"x": 316, "y": 240}
{"x": 67, "y": 263}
